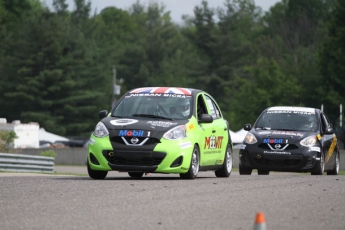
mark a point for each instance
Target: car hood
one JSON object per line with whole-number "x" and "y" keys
{"x": 147, "y": 124}
{"x": 277, "y": 135}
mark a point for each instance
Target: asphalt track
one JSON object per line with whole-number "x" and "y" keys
{"x": 158, "y": 201}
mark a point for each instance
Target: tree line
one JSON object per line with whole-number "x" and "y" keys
{"x": 56, "y": 65}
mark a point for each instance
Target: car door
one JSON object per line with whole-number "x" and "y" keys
{"x": 215, "y": 136}
{"x": 329, "y": 141}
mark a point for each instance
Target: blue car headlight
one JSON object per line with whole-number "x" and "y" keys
{"x": 176, "y": 133}
{"x": 101, "y": 130}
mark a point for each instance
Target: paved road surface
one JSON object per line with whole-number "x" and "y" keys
{"x": 157, "y": 201}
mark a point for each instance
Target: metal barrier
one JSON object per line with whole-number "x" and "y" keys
{"x": 26, "y": 163}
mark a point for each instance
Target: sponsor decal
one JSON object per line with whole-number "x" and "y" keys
{"x": 131, "y": 133}
{"x": 273, "y": 141}
{"x": 145, "y": 95}
{"x": 185, "y": 145}
{"x": 156, "y": 95}
{"x": 191, "y": 126}
{"x": 288, "y": 133}
{"x": 331, "y": 148}
{"x": 213, "y": 152}
{"x": 317, "y": 149}
{"x": 164, "y": 124}
{"x": 291, "y": 112}
{"x": 264, "y": 132}
{"x": 213, "y": 142}
{"x": 219, "y": 162}
{"x": 123, "y": 122}
{"x": 166, "y": 91}
{"x": 278, "y": 152}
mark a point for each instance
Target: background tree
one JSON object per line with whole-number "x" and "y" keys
{"x": 333, "y": 62}
{"x": 56, "y": 65}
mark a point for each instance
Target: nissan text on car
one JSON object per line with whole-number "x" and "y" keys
{"x": 290, "y": 139}
{"x": 165, "y": 130}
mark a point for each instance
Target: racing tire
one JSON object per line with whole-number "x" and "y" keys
{"x": 335, "y": 170}
{"x": 263, "y": 172}
{"x": 94, "y": 174}
{"x": 245, "y": 170}
{"x": 136, "y": 174}
{"x": 194, "y": 165}
{"x": 226, "y": 169}
{"x": 321, "y": 166}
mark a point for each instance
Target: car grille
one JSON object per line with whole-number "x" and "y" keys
{"x": 137, "y": 158}
{"x": 279, "y": 162}
{"x": 150, "y": 141}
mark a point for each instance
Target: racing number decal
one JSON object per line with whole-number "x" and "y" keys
{"x": 331, "y": 149}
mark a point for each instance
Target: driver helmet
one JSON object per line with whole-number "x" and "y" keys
{"x": 183, "y": 106}
{"x": 312, "y": 122}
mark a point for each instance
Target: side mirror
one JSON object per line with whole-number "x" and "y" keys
{"x": 329, "y": 130}
{"x": 102, "y": 114}
{"x": 247, "y": 127}
{"x": 205, "y": 118}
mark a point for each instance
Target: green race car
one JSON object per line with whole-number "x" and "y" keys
{"x": 161, "y": 130}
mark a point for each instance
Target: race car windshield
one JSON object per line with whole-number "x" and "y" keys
{"x": 288, "y": 121}
{"x": 151, "y": 116}
{"x": 160, "y": 107}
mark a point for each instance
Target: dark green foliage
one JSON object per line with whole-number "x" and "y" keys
{"x": 56, "y": 66}
{"x": 333, "y": 61}
{"x": 7, "y": 140}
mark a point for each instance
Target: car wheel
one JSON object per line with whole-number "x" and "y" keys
{"x": 94, "y": 174}
{"x": 226, "y": 169}
{"x": 136, "y": 174}
{"x": 321, "y": 167}
{"x": 245, "y": 170}
{"x": 263, "y": 172}
{"x": 194, "y": 165}
{"x": 335, "y": 170}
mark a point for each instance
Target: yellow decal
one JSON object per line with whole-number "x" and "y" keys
{"x": 331, "y": 148}
{"x": 219, "y": 162}
{"x": 319, "y": 136}
{"x": 191, "y": 126}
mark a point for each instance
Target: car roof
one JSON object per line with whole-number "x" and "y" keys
{"x": 292, "y": 108}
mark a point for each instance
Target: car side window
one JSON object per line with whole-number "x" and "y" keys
{"x": 325, "y": 122}
{"x": 215, "y": 112}
{"x": 201, "y": 107}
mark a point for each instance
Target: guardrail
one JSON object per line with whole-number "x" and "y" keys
{"x": 13, "y": 162}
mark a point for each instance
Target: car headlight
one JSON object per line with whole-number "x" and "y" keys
{"x": 176, "y": 133}
{"x": 309, "y": 141}
{"x": 101, "y": 130}
{"x": 250, "y": 138}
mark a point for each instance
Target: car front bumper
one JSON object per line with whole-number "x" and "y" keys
{"x": 296, "y": 161}
{"x": 166, "y": 157}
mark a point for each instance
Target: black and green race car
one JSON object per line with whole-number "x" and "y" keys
{"x": 161, "y": 130}
{"x": 290, "y": 139}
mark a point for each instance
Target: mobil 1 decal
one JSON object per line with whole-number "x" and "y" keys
{"x": 213, "y": 144}
{"x": 275, "y": 141}
{"x": 132, "y": 133}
